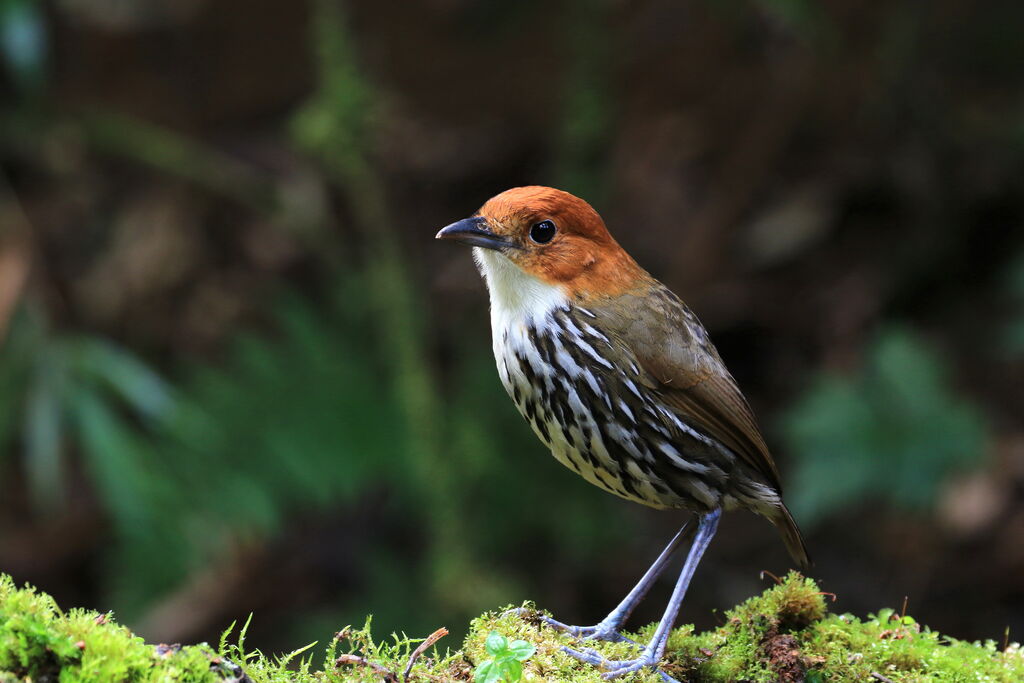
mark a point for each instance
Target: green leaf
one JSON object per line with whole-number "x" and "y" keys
{"x": 487, "y": 672}
{"x": 896, "y": 430}
{"x": 23, "y": 40}
{"x": 512, "y": 670}
{"x": 129, "y": 377}
{"x": 521, "y": 650}
{"x": 496, "y": 644}
{"x": 43, "y": 426}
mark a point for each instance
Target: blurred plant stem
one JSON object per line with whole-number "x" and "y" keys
{"x": 170, "y": 152}
{"x": 117, "y": 134}
{"x": 162, "y": 149}
{"x": 1013, "y": 335}
{"x": 582, "y": 146}
{"x": 335, "y": 126}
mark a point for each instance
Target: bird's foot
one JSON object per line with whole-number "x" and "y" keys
{"x": 613, "y": 668}
{"x": 604, "y": 631}
{"x": 607, "y": 630}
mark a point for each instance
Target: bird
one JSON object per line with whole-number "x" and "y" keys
{"x": 620, "y": 380}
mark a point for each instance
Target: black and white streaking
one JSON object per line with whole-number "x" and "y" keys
{"x": 587, "y": 399}
{"x": 574, "y": 374}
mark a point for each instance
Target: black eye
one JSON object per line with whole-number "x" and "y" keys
{"x": 542, "y": 232}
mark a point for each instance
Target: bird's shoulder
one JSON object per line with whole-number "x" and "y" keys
{"x": 679, "y": 361}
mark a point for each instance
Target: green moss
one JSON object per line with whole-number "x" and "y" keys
{"x": 784, "y": 634}
{"x": 39, "y": 642}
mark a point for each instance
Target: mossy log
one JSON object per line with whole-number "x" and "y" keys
{"x": 784, "y": 634}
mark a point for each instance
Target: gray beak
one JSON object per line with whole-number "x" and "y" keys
{"x": 474, "y": 232}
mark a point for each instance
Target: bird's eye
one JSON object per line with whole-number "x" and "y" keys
{"x": 542, "y": 232}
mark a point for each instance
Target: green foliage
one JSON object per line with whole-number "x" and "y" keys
{"x": 23, "y": 40}
{"x": 506, "y": 662}
{"x": 587, "y": 106}
{"x": 289, "y": 422}
{"x": 337, "y": 119}
{"x": 893, "y": 433}
{"x": 165, "y": 150}
{"x": 77, "y": 389}
{"x": 334, "y": 126}
{"x": 786, "y": 633}
{"x": 298, "y": 416}
{"x": 1014, "y": 334}
{"x": 803, "y": 17}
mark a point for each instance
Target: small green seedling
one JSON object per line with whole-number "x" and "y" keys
{"x": 506, "y": 659}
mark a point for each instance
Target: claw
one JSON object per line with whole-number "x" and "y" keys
{"x": 614, "y": 669}
{"x": 610, "y": 675}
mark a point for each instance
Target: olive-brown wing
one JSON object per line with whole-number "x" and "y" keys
{"x": 679, "y": 361}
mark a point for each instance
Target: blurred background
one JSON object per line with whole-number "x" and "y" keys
{"x": 238, "y": 375}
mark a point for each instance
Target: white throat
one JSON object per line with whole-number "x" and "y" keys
{"x": 516, "y": 297}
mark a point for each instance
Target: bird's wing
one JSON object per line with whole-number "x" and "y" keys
{"x": 680, "y": 362}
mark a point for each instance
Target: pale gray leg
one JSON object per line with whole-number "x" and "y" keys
{"x": 653, "y": 652}
{"x": 608, "y": 628}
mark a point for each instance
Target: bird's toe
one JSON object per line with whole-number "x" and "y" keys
{"x": 597, "y": 632}
{"x": 587, "y": 656}
{"x": 615, "y": 668}
{"x": 606, "y": 632}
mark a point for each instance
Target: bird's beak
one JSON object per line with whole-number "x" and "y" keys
{"x": 474, "y": 232}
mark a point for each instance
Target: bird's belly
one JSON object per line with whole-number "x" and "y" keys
{"x": 583, "y": 415}
{"x": 575, "y": 441}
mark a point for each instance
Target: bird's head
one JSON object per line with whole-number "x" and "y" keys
{"x": 539, "y": 235}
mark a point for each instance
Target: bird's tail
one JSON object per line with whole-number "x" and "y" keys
{"x": 791, "y": 536}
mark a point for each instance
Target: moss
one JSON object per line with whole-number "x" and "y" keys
{"x": 39, "y": 642}
{"x": 784, "y": 634}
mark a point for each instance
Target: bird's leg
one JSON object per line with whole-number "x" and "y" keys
{"x": 652, "y": 653}
{"x": 608, "y": 628}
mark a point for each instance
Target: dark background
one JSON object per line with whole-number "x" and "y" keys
{"x": 238, "y": 374}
